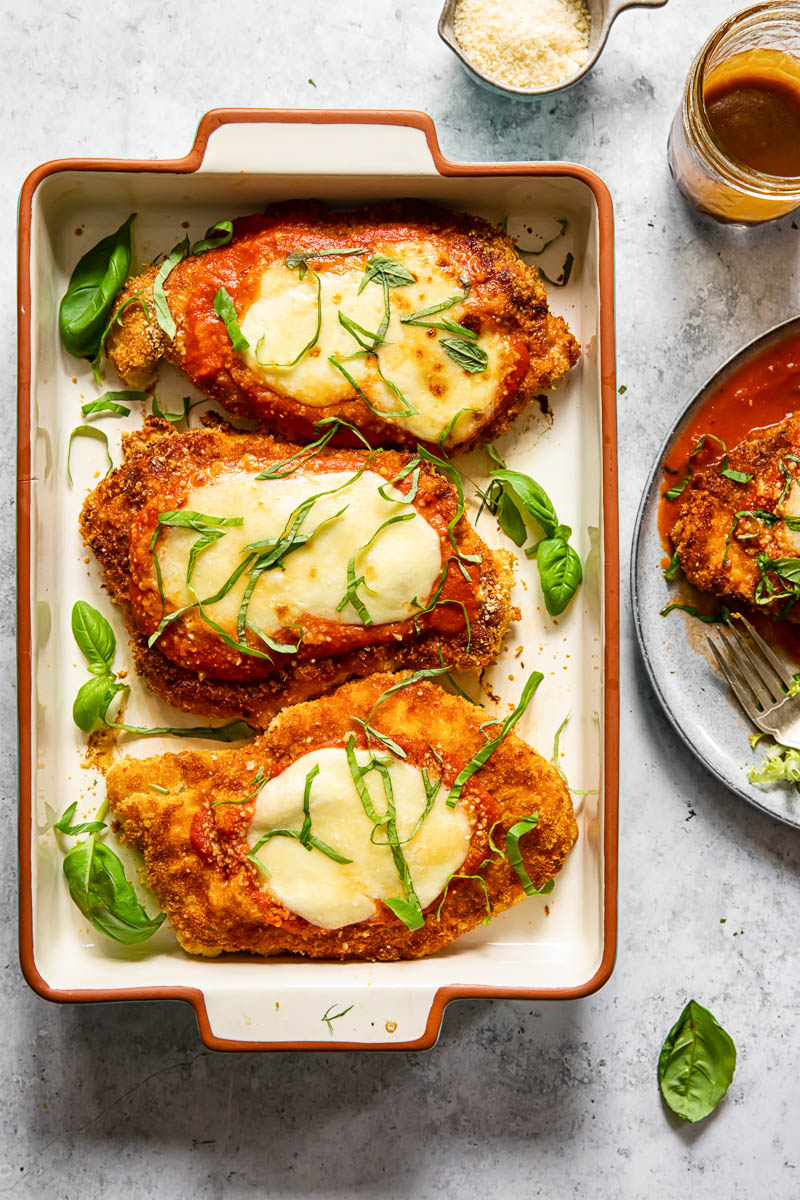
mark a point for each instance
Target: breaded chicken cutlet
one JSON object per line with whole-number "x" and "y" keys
{"x": 323, "y": 840}
{"x": 411, "y": 322}
{"x": 254, "y": 574}
{"x": 740, "y": 540}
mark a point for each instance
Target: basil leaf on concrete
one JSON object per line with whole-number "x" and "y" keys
{"x": 696, "y": 1063}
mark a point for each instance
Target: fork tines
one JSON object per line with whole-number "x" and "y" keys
{"x": 751, "y": 668}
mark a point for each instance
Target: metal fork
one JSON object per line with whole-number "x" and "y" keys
{"x": 759, "y": 680}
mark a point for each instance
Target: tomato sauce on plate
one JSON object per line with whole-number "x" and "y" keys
{"x": 762, "y": 392}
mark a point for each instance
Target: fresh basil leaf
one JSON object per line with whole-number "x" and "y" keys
{"x": 532, "y": 496}
{"x": 234, "y": 731}
{"x": 736, "y": 476}
{"x": 452, "y": 473}
{"x": 674, "y": 567}
{"x": 562, "y": 221}
{"x": 410, "y": 914}
{"x": 419, "y": 318}
{"x": 786, "y": 568}
{"x": 109, "y": 403}
{"x": 100, "y": 889}
{"x": 486, "y": 752}
{"x": 560, "y": 573}
{"x": 678, "y": 488}
{"x": 454, "y": 327}
{"x": 383, "y": 270}
{"x": 696, "y": 1064}
{"x": 93, "y": 287}
{"x": 92, "y": 701}
{"x": 566, "y": 272}
{"x": 188, "y": 518}
{"x": 514, "y": 855}
{"x": 479, "y": 878}
{"x": 95, "y": 637}
{"x": 465, "y": 354}
{"x": 64, "y": 825}
{"x": 309, "y": 345}
{"x": 160, "y": 303}
{"x": 451, "y": 424}
{"x": 312, "y": 842}
{"x": 721, "y": 614}
{"x": 226, "y": 311}
{"x": 351, "y": 595}
{"x": 415, "y": 677}
{"x": 327, "y": 1016}
{"x": 511, "y": 521}
{"x": 257, "y": 783}
{"x": 89, "y": 431}
{"x": 217, "y": 235}
{"x": 359, "y": 333}
{"x": 299, "y": 258}
{"x": 115, "y": 319}
{"x": 173, "y": 418}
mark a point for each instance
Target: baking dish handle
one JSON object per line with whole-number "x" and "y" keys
{"x": 338, "y": 143}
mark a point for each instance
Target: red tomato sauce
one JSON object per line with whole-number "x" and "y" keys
{"x": 760, "y": 393}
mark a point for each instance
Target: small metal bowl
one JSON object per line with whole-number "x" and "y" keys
{"x": 603, "y": 13}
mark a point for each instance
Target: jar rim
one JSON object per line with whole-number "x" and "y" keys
{"x": 747, "y": 178}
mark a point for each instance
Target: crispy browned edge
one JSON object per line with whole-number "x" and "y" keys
{"x": 211, "y": 913}
{"x": 211, "y": 121}
{"x": 105, "y": 526}
{"x": 136, "y": 344}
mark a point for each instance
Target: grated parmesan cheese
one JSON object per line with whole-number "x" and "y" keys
{"x": 524, "y": 43}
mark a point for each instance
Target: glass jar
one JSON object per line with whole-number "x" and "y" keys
{"x": 767, "y": 37}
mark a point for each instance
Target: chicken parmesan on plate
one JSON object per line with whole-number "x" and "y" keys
{"x": 380, "y": 822}
{"x": 253, "y": 574}
{"x": 737, "y": 534}
{"x": 412, "y": 322}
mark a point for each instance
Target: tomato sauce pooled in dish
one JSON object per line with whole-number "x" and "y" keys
{"x": 760, "y": 393}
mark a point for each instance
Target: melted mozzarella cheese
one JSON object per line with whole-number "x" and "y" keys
{"x": 331, "y": 894}
{"x": 401, "y": 564}
{"x": 284, "y": 317}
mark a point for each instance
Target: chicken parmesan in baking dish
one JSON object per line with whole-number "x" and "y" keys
{"x": 253, "y": 574}
{"x": 380, "y": 822}
{"x": 412, "y": 322}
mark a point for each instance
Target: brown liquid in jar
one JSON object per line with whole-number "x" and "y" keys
{"x": 753, "y": 107}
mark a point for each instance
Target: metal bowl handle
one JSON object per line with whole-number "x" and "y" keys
{"x": 615, "y": 7}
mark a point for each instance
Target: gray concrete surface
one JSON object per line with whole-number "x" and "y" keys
{"x": 517, "y": 1099}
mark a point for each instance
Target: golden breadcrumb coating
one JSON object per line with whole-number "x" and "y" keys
{"x": 506, "y": 296}
{"x": 718, "y": 552}
{"x": 195, "y": 855}
{"x": 201, "y": 675}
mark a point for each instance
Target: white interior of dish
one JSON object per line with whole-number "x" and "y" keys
{"x": 285, "y": 999}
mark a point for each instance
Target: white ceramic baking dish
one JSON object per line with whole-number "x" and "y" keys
{"x": 556, "y": 947}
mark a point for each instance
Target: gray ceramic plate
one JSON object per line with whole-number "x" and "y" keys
{"x": 694, "y": 696}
